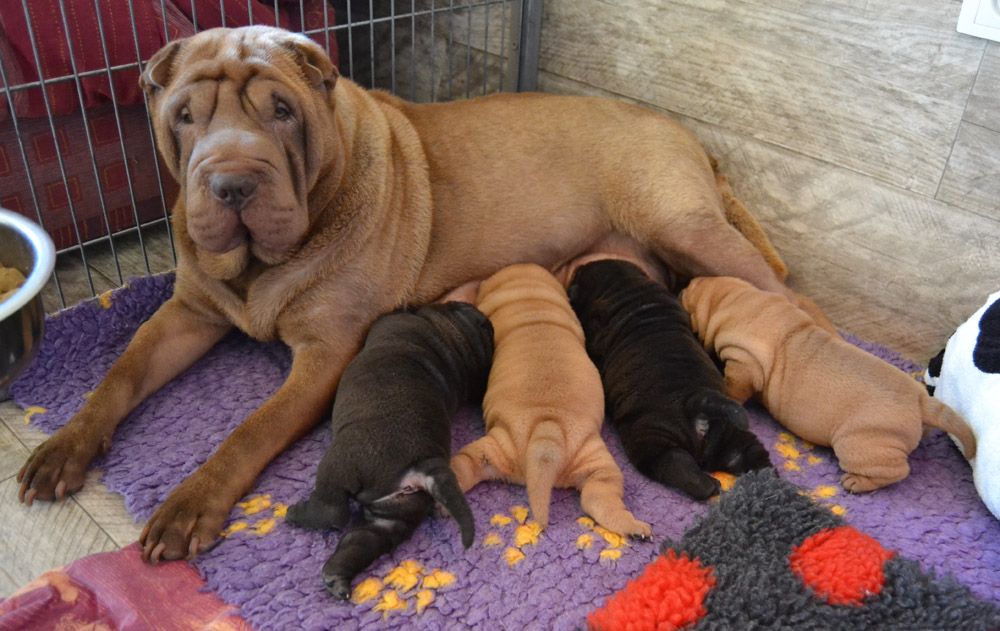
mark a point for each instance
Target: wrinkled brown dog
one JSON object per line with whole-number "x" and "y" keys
{"x": 544, "y": 404}
{"x": 819, "y": 386}
{"x": 308, "y": 206}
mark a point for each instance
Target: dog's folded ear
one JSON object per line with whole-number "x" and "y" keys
{"x": 160, "y": 68}
{"x": 316, "y": 66}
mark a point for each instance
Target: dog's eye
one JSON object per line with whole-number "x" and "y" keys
{"x": 281, "y": 110}
{"x": 184, "y": 116}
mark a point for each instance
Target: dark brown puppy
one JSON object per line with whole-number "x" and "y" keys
{"x": 392, "y": 434}
{"x": 664, "y": 394}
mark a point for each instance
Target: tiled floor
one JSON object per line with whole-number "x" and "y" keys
{"x": 46, "y": 535}
{"x": 865, "y": 135}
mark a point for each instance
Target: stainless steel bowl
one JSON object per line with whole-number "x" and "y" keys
{"x": 26, "y": 247}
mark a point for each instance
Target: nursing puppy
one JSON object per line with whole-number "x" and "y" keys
{"x": 543, "y": 405}
{"x": 392, "y": 434}
{"x": 664, "y": 394}
{"x": 817, "y": 385}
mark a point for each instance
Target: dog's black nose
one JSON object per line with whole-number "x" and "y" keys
{"x": 233, "y": 189}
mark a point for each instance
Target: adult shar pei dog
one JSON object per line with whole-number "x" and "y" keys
{"x": 308, "y": 206}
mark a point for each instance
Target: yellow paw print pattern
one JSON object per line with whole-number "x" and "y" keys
{"x": 105, "y": 299}
{"x": 32, "y": 410}
{"x": 525, "y": 533}
{"x": 614, "y": 544}
{"x": 798, "y": 453}
{"x": 407, "y": 583}
{"x": 257, "y": 507}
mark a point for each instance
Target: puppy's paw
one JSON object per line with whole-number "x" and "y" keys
{"x": 677, "y": 468}
{"x": 755, "y": 457}
{"x": 624, "y": 523}
{"x": 855, "y": 483}
{"x": 57, "y": 467}
{"x": 746, "y": 454}
{"x": 186, "y": 524}
{"x": 338, "y": 586}
{"x": 640, "y": 530}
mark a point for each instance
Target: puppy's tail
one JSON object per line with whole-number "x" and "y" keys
{"x": 938, "y": 415}
{"x": 543, "y": 463}
{"x": 443, "y": 487}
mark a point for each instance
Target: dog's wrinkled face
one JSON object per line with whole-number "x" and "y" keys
{"x": 242, "y": 119}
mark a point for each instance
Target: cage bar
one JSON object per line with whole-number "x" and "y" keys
{"x": 363, "y": 33}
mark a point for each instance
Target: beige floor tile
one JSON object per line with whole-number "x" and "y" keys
{"x": 983, "y": 107}
{"x": 12, "y": 453}
{"x": 13, "y": 418}
{"x": 972, "y": 179}
{"x": 43, "y": 536}
{"x": 74, "y": 283}
{"x": 132, "y": 261}
{"x": 108, "y": 510}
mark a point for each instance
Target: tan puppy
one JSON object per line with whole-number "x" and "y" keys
{"x": 824, "y": 389}
{"x": 544, "y": 404}
{"x": 308, "y": 206}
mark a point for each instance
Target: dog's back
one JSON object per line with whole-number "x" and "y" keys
{"x": 540, "y": 371}
{"x": 544, "y": 404}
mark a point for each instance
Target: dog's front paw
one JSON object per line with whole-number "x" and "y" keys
{"x": 57, "y": 467}
{"x": 186, "y": 524}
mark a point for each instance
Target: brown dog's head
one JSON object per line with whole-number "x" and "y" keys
{"x": 243, "y": 119}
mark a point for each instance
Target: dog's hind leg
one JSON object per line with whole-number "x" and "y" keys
{"x": 691, "y": 234}
{"x": 543, "y": 462}
{"x": 482, "y": 459}
{"x": 677, "y": 468}
{"x": 602, "y": 487}
{"x": 326, "y": 507}
{"x": 869, "y": 463}
{"x": 385, "y": 528}
{"x": 729, "y": 445}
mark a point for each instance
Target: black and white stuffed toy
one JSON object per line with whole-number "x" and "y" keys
{"x": 966, "y": 376}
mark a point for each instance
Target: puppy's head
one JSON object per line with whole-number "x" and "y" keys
{"x": 243, "y": 119}
{"x": 592, "y": 280}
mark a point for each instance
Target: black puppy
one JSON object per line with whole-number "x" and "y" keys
{"x": 663, "y": 392}
{"x": 392, "y": 434}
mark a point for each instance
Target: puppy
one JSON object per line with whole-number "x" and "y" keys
{"x": 816, "y": 384}
{"x": 664, "y": 393}
{"x": 543, "y": 405}
{"x": 392, "y": 434}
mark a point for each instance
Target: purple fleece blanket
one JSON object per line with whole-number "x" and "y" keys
{"x": 512, "y": 577}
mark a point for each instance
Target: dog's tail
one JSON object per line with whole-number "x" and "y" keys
{"x": 442, "y": 485}
{"x": 740, "y": 218}
{"x": 543, "y": 463}
{"x": 938, "y": 415}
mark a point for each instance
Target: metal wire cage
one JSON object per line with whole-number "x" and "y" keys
{"x": 77, "y": 152}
